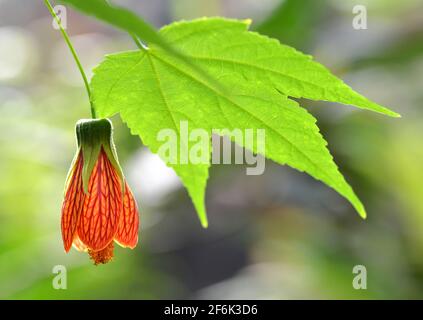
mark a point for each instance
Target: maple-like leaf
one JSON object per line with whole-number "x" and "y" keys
{"x": 153, "y": 90}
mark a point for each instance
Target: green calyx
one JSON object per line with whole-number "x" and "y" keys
{"x": 91, "y": 136}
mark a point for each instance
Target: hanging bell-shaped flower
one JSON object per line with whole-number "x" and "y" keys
{"x": 99, "y": 207}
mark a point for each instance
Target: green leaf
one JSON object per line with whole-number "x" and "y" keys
{"x": 228, "y": 44}
{"x": 152, "y": 90}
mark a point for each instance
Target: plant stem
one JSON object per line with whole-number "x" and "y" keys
{"x": 139, "y": 44}
{"x": 75, "y": 56}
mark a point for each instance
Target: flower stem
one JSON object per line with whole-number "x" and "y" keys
{"x": 75, "y": 56}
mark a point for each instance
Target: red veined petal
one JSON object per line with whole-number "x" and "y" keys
{"x": 79, "y": 245}
{"x": 127, "y": 231}
{"x": 98, "y": 221}
{"x": 73, "y": 203}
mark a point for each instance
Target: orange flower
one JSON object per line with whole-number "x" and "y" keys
{"x": 98, "y": 207}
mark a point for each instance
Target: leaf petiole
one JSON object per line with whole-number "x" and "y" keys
{"x": 139, "y": 44}
{"x": 74, "y": 54}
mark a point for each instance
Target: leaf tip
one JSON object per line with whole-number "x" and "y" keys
{"x": 357, "y": 205}
{"x": 248, "y": 22}
{"x": 385, "y": 111}
{"x": 201, "y": 212}
{"x": 391, "y": 113}
{"x": 204, "y": 223}
{"x": 361, "y": 210}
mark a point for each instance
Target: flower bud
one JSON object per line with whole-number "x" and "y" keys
{"x": 98, "y": 208}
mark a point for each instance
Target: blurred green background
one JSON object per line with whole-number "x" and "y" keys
{"x": 280, "y": 235}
